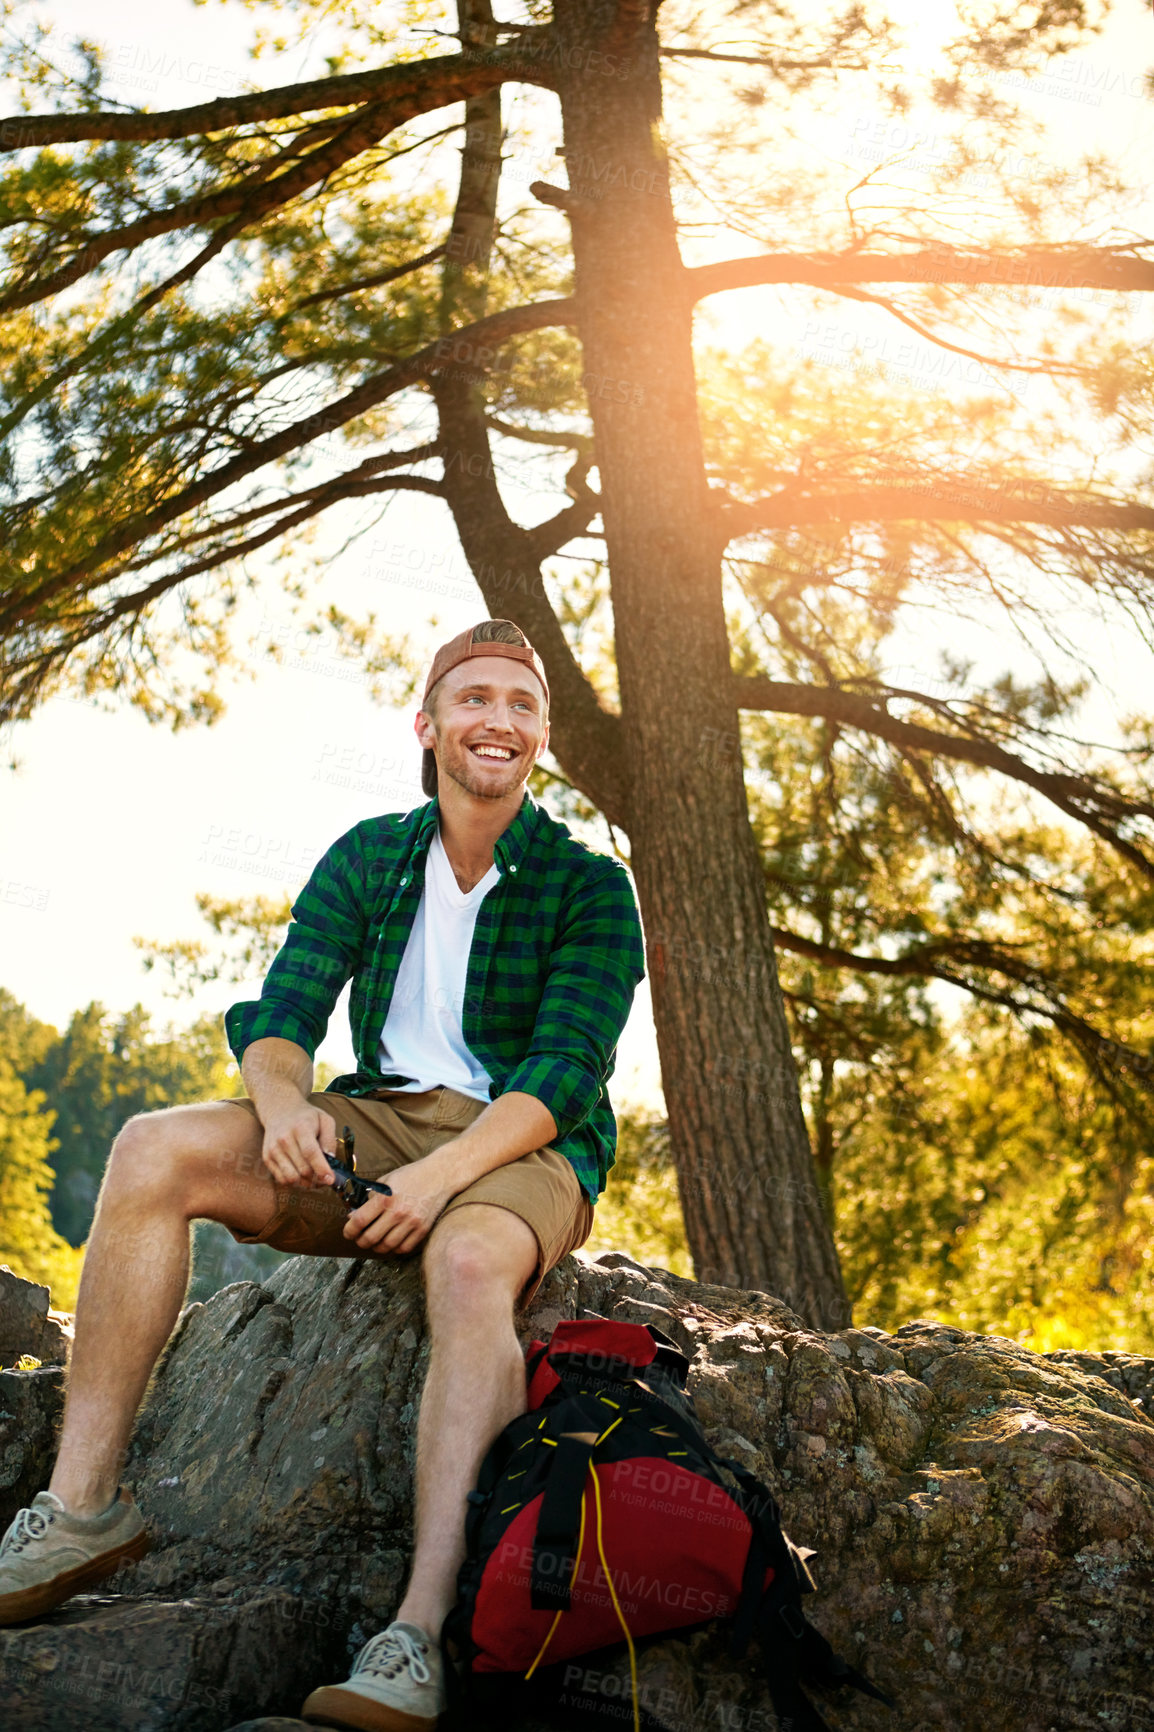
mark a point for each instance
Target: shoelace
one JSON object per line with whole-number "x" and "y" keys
{"x": 385, "y": 1654}
{"x": 30, "y": 1524}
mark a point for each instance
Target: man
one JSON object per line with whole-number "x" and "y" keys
{"x": 494, "y": 959}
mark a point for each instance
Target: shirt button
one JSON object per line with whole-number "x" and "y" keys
{"x": 512, "y": 868}
{"x": 404, "y": 881}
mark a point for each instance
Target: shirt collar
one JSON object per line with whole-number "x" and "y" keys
{"x": 510, "y": 846}
{"x": 426, "y": 827}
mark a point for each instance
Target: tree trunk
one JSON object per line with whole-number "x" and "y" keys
{"x": 746, "y": 1175}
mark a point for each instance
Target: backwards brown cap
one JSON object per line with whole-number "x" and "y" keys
{"x": 461, "y": 649}
{"x": 467, "y": 644}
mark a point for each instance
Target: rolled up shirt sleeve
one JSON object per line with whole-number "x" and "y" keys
{"x": 321, "y": 951}
{"x": 596, "y": 967}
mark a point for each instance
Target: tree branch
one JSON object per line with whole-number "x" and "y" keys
{"x": 541, "y": 435}
{"x": 251, "y": 197}
{"x": 370, "y": 467}
{"x": 1098, "y": 807}
{"x": 932, "y": 961}
{"x": 1052, "y": 370}
{"x": 457, "y": 350}
{"x": 357, "y": 484}
{"x": 377, "y": 281}
{"x": 587, "y": 740}
{"x": 1053, "y": 267}
{"x": 826, "y": 62}
{"x": 549, "y": 537}
{"x": 1016, "y": 500}
{"x": 33, "y": 669}
{"x": 103, "y": 339}
{"x": 429, "y": 83}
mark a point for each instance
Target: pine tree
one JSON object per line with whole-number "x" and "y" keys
{"x": 384, "y": 331}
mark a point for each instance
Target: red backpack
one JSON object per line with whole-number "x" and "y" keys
{"x": 602, "y": 1516}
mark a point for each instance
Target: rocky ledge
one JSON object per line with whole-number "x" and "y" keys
{"x": 29, "y": 1328}
{"x": 983, "y": 1516}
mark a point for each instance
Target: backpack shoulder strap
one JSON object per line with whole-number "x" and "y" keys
{"x": 572, "y": 1430}
{"x": 533, "y": 1361}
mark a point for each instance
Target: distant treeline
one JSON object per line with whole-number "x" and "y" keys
{"x": 63, "y": 1097}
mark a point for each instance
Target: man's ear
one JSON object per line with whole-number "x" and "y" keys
{"x": 544, "y": 743}
{"x": 424, "y": 730}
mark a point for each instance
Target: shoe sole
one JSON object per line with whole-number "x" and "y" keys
{"x": 332, "y": 1706}
{"x": 27, "y": 1603}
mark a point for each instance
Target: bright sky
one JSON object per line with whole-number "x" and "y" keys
{"x": 110, "y": 826}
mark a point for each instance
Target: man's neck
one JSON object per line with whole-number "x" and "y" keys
{"x": 470, "y": 828}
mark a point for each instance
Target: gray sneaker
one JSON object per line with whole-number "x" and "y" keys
{"x": 48, "y": 1555}
{"x": 397, "y": 1685}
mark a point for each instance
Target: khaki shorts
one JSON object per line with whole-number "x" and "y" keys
{"x": 393, "y": 1129}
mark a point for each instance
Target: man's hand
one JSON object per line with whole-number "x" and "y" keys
{"x": 278, "y": 1075}
{"x": 295, "y": 1140}
{"x": 401, "y": 1222}
{"x": 509, "y": 1127}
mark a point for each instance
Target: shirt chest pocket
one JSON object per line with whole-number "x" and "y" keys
{"x": 507, "y": 999}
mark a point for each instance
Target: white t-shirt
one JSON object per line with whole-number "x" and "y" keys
{"x": 422, "y": 1036}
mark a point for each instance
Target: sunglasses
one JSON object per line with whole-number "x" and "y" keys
{"x": 350, "y": 1188}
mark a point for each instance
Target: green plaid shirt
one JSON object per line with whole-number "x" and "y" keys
{"x": 556, "y": 958}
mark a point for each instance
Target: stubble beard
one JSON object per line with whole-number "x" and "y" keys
{"x": 458, "y": 766}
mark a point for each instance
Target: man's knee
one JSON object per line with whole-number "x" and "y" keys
{"x": 136, "y": 1139}
{"x": 137, "y": 1151}
{"x": 468, "y": 1265}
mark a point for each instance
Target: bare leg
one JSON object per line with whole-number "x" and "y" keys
{"x": 476, "y": 1262}
{"x": 166, "y": 1170}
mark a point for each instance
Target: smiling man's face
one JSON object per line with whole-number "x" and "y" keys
{"x": 486, "y": 721}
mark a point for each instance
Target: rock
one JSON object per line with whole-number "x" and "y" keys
{"x": 114, "y": 1663}
{"x": 31, "y": 1403}
{"x": 23, "y": 1312}
{"x": 1126, "y": 1372}
{"x": 56, "y": 1338}
{"x": 983, "y": 1516}
{"x": 27, "y": 1326}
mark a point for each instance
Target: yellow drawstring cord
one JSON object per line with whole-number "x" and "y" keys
{"x": 616, "y": 1606}
{"x": 609, "y": 1580}
{"x": 572, "y": 1579}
